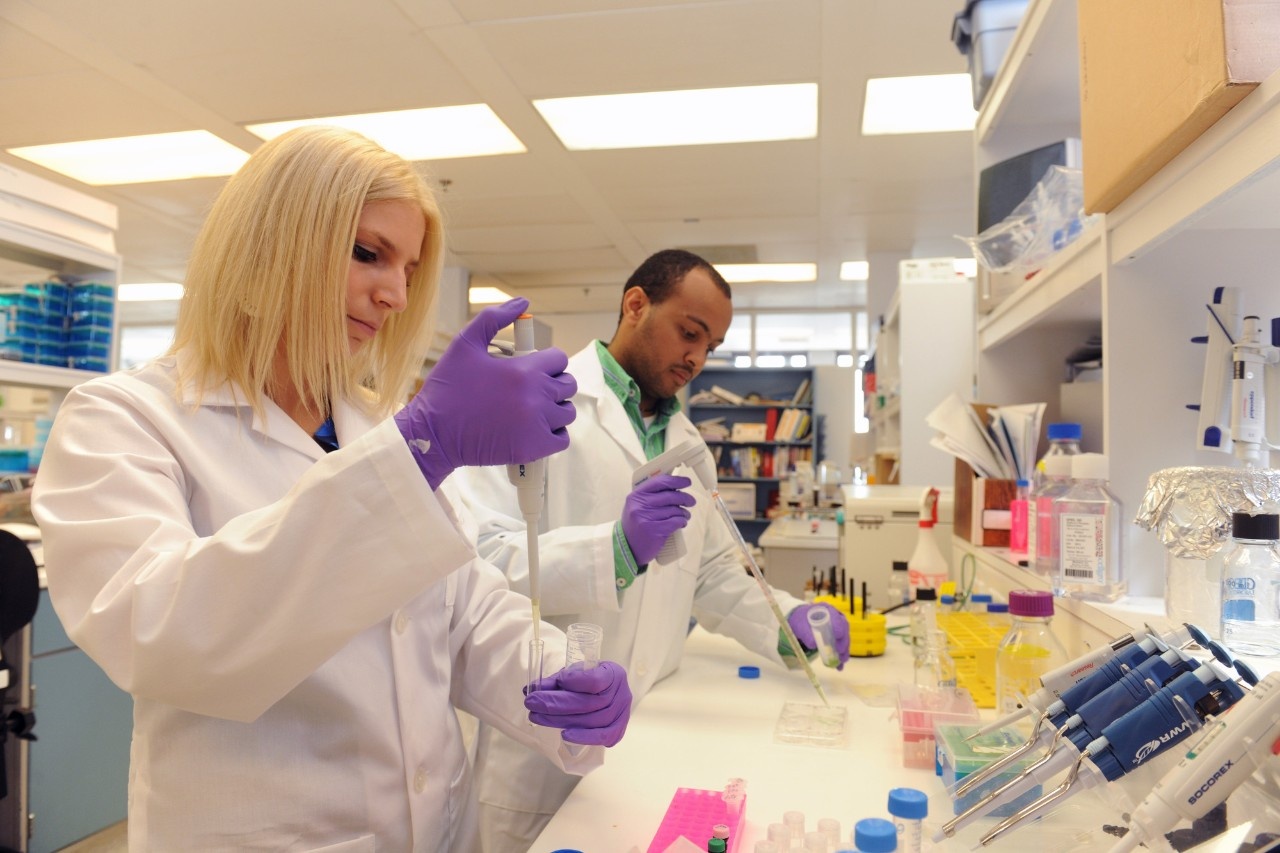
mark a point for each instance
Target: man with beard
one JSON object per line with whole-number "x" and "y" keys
{"x": 600, "y": 537}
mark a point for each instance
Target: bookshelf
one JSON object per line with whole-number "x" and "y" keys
{"x": 759, "y": 438}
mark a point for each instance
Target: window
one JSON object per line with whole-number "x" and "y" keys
{"x": 143, "y": 343}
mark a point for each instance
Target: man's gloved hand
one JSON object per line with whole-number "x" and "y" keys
{"x": 653, "y": 511}
{"x": 478, "y": 409}
{"x": 591, "y": 705}
{"x": 798, "y": 619}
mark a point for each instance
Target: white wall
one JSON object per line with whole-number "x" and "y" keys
{"x": 571, "y": 332}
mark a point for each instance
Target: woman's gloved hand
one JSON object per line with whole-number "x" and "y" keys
{"x": 798, "y": 619}
{"x": 479, "y": 409}
{"x": 653, "y": 511}
{"x": 591, "y": 705}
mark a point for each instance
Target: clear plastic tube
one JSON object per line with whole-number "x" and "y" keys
{"x": 824, "y": 635}
{"x": 535, "y": 664}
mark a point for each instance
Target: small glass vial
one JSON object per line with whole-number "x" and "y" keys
{"x": 936, "y": 671}
{"x": 1251, "y": 586}
{"x": 1042, "y": 529}
{"x": 998, "y": 616}
{"x": 875, "y": 835}
{"x": 947, "y": 604}
{"x": 923, "y": 618}
{"x": 1091, "y": 558}
{"x": 899, "y": 584}
{"x": 909, "y": 808}
{"x": 1027, "y": 652}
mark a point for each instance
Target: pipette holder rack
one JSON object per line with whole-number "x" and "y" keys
{"x": 693, "y": 813}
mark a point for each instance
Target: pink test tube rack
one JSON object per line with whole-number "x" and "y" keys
{"x": 693, "y": 813}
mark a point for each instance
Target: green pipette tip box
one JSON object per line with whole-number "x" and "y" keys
{"x": 958, "y": 757}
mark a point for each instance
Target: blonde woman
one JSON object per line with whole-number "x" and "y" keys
{"x": 251, "y": 537}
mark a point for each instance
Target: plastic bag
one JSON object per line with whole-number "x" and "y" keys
{"x": 1048, "y": 219}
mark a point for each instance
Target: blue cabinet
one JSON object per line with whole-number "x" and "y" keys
{"x": 79, "y": 767}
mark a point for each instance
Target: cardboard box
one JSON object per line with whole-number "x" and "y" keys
{"x": 1155, "y": 74}
{"x": 974, "y": 497}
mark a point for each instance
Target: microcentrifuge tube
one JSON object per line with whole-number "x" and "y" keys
{"x": 795, "y": 825}
{"x": 815, "y": 842}
{"x": 768, "y": 847}
{"x": 780, "y": 834}
{"x": 583, "y": 649}
{"x": 831, "y": 827}
{"x": 824, "y": 635}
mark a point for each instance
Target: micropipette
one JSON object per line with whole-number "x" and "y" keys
{"x": 768, "y": 595}
{"x": 530, "y": 479}
{"x": 1237, "y": 743}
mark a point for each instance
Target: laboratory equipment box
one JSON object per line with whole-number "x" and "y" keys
{"x": 795, "y": 547}
{"x": 881, "y": 526}
{"x": 983, "y": 33}
{"x": 1152, "y": 81}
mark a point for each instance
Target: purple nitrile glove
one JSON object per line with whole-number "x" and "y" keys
{"x": 591, "y": 705}
{"x": 798, "y": 619}
{"x": 653, "y": 511}
{"x": 478, "y": 409}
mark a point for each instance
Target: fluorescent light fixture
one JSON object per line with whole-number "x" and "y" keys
{"x": 152, "y": 292}
{"x": 855, "y": 271}
{"x": 742, "y": 361}
{"x": 486, "y": 296}
{"x": 967, "y": 267}
{"x": 687, "y": 117}
{"x": 929, "y": 104}
{"x": 138, "y": 159}
{"x": 436, "y": 133}
{"x": 740, "y": 273}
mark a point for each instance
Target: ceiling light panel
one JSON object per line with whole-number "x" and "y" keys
{"x": 138, "y": 159}
{"x": 688, "y": 117}
{"x": 435, "y": 133}
{"x": 743, "y": 273}
{"x": 855, "y": 270}
{"x": 935, "y": 103}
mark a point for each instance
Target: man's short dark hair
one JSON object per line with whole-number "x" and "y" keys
{"x": 661, "y": 271}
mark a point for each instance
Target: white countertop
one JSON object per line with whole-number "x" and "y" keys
{"x": 704, "y": 725}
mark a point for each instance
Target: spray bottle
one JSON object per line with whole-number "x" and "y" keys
{"x": 927, "y": 566}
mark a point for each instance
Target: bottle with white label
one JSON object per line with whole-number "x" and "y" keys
{"x": 1251, "y": 586}
{"x": 1091, "y": 558}
{"x": 1042, "y": 532}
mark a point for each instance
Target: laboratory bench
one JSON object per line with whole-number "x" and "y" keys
{"x": 704, "y": 725}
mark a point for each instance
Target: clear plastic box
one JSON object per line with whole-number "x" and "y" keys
{"x": 957, "y": 758}
{"x": 918, "y": 712}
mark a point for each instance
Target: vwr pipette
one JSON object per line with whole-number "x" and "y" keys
{"x": 1151, "y": 729}
{"x": 1094, "y": 673}
{"x": 1055, "y": 684}
{"x": 530, "y": 482}
{"x": 1234, "y": 746}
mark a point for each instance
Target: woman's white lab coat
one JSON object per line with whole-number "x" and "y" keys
{"x": 644, "y": 625}
{"x": 293, "y": 626}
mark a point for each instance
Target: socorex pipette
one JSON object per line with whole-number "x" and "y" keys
{"x": 530, "y": 481}
{"x": 1232, "y": 748}
{"x": 1055, "y": 683}
{"x": 1151, "y": 729}
{"x": 769, "y": 596}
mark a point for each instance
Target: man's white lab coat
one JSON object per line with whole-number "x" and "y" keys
{"x": 293, "y": 626}
{"x": 644, "y": 625}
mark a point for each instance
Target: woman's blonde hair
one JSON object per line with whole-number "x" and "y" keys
{"x": 269, "y": 270}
